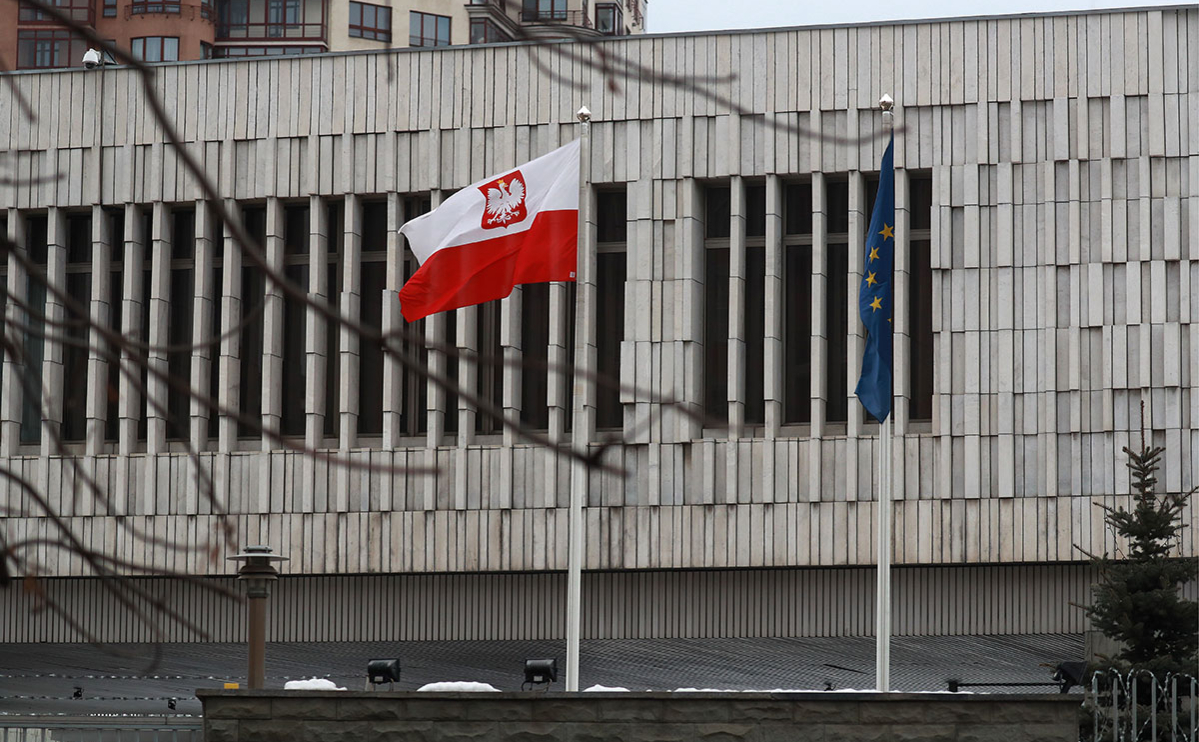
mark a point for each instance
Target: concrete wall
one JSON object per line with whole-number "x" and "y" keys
{"x": 297, "y": 716}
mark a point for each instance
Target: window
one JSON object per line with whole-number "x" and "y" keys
{"x": 155, "y": 48}
{"x": 920, "y": 299}
{"x": 142, "y": 292}
{"x": 484, "y": 31}
{"x": 716, "y": 302}
{"x": 179, "y": 321}
{"x": 76, "y": 10}
{"x": 609, "y": 20}
{"x": 611, "y": 272}
{"x": 335, "y": 245}
{"x": 426, "y": 29}
{"x": 754, "y": 297}
{"x": 294, "y": 381}
{"x": 270, "y": 20}
{"x": 836, "y": 298}
{"x": 253, "y": 288}
{"x": 33, "y": 344}
{"x": 116, "y": 241}
{"x": 75, "y": 357}
{"x": 797, "y": 307}
{"x": 43, "y": 49}
{"x": 414, "y": 401}
{"x": 534, "y": 341}
{"x": 110, "y": 8}
{"x": 533, "y": 11}
{"x": 489, "y": 374}
{"x": 370, "y": 21}
{"x": 370, "y": 355}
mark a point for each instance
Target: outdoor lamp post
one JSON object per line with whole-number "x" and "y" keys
{"x": 257, "y": 572}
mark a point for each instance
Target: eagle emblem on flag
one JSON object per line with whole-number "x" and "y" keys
{"x": 505, "y": 201}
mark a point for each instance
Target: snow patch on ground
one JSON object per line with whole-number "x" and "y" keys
{"x": 461, "y": 686}
{"x": 311, "y": 684}
{"x": 604, "y": 689}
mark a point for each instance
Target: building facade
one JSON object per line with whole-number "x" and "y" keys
{"x": 174, "y": 30}
{"x": 1046, "y": 198}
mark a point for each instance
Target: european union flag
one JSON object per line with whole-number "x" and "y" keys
{"x": 875, "y": 298}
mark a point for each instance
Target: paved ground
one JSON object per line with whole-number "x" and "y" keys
{"x": 137, "y": 679}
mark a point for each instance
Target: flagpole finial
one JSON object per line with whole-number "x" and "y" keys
{"x": 584, "y": 115}
{"x": 887, "y": 103}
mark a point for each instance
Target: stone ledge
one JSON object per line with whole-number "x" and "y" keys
{"x": 637, "y": 717}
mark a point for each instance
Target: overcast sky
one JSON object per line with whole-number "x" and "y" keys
{"x": 666, "y": 16}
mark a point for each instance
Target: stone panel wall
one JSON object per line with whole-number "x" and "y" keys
{"x": 296, "y": 716}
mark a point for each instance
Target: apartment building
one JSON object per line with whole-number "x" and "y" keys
{"x": 178, "y": 30}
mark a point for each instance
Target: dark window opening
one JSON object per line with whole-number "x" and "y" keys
{"x": 33, "y": 343}
{"x": 717, "y": 208}
{"x": 116, "y": 241}
{"x": 798, "y": 209}
{"x": 836, "y": 312}
{"x": 716, "y": 333}
{"x": 836, "y": 207}
{"x": 611, "y": 272}
{"x": 755, "y": 335}
{"x": 755, "y": 211}
{"x": 797, "y": 334}
{"x": 370, "y": 354}
{"x": 920, "y": 300}
{"x": 414, "y": 415}
{"x": 490, "y": 372}
{"x": 75, "y": 354}
{"x": 335, "y": 246}
{"x": 253, "y": 292}
{"x": 294, "y": 381}
{"x": 534, "y": 338}
{"x": 182, "y": 297}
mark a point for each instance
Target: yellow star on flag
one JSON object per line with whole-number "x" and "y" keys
{"x": 871, "y": 280}
{"x": 888, "y": 232}
{"x": 874, "y": 253}
{"x": 877, "y": 304}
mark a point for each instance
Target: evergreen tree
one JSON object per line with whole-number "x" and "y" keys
{"x": 1137, "y": 601}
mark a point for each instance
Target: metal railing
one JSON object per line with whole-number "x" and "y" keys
{"x": 558, "y": 17}
{"x": 183, "y": 10}
{"x": 107, "y": 730}
{"x": 1140, "y": 707}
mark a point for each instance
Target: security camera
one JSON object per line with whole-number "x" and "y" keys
{"x": 92, "y": 59}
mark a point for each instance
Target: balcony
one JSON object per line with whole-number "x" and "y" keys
{"x": 544, "y": 24}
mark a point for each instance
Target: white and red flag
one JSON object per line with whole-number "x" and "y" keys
{"x": 518, "y": 227}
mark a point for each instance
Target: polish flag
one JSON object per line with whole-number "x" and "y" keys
{"x": 518, "y": 227}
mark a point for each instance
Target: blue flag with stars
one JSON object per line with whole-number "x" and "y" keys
{"x": 875, "y": 298}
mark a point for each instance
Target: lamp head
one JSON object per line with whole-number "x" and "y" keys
{"x": 886, "y": 102}
{"x": 257, "y": 570}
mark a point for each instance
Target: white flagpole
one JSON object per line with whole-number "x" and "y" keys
{"x": 581, "y": 426}
{"x": 882, "y": 611}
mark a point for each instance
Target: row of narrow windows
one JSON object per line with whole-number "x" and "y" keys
{"x": 179, "y": 296}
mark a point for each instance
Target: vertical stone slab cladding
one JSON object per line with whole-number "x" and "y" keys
{"x": 299, "y": 716}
